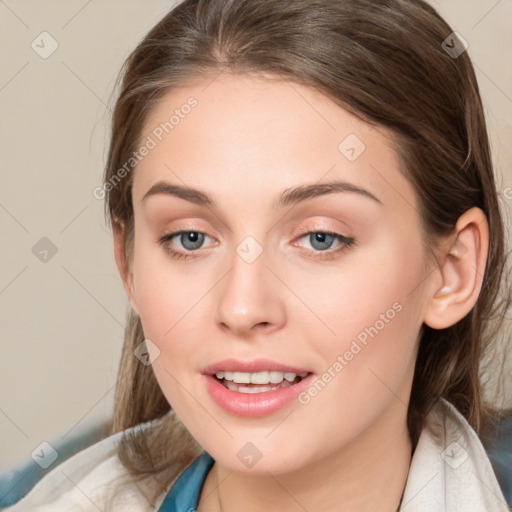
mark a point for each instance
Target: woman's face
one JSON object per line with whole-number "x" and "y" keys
{"x": 257, "y": 173}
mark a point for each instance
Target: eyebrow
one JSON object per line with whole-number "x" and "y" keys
{"x": 288, "y": 197}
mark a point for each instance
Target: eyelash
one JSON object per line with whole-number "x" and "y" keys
{"x": 345, "y": 243}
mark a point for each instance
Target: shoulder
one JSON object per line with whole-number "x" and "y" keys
{"x": 87, "y": 482}
{"x": 450, "y": 469}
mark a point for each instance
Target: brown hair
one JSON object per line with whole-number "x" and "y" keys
{"x": 382, "y": 60}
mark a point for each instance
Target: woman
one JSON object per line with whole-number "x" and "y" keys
{"x": 307, "y": 228}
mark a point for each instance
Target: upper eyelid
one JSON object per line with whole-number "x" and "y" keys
{"x": 306, "y": 231}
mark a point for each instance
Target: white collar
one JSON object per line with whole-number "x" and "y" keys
{"x": 450, "y": 470}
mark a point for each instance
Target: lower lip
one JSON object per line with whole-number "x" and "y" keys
{"x": 255, "y": 405}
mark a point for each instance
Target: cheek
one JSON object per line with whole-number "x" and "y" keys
{"x": 175, "y": 307}
{"x": 169, "y": 305}
{"x": 374, "y": 309}
{"x": 373, "y": 292}
{"x": 164, "y": 291}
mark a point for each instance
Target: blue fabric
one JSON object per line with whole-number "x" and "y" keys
{"x": 499, "y": 451}
{"x": 184, "y": 494}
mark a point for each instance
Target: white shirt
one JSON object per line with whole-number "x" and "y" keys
{"x": 449, "y": 471}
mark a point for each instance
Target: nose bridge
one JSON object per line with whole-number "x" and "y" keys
{"x": 246, "y": 297}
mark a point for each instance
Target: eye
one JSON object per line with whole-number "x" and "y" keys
{"x": 190, "y": 241}
{"x": 322, "y": 242}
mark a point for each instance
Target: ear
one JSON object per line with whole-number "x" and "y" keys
{"x": 123, "y": 265}
{"x": 462, "y": 269}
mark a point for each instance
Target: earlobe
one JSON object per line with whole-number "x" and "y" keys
{"x": 462, "y": 268}
{"x": 122, "y": 262}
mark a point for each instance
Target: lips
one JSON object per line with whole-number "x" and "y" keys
{"x": 254, "y": 399}
{"x": 253, "y": 366}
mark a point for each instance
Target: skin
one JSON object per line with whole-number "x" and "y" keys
{"x": 247, "y": 141}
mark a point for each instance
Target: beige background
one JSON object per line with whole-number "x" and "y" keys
{"x": 62, "y": 320}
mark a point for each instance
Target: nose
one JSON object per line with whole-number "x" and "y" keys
{"x": 250, "y": 298}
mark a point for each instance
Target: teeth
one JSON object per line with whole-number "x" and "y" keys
{"x": 255, "y": 389}
{"x": 275, "y": 377}
{"x": 258, "y": 377}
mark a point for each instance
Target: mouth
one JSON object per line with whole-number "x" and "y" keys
{"x": 258, "y": 382}
{"x": 255, "y": 388}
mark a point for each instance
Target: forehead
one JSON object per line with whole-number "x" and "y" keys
{"x": 233, "y": 132}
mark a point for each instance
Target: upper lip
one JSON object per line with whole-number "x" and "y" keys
{"x": 251, "y": 366}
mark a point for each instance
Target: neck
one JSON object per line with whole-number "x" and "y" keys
{"x": 367, "y": 475}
